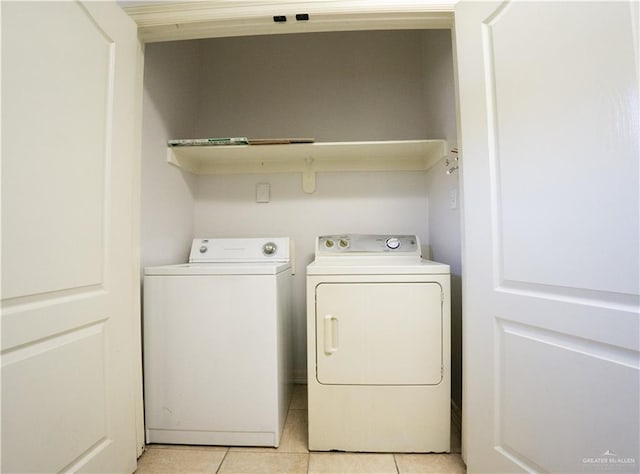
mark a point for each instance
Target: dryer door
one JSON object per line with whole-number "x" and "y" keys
{"x": 379, "y": 333}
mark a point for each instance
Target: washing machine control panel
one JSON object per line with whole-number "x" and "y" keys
{"x": 367, "y": 244}
{"x": 220, "y": 250}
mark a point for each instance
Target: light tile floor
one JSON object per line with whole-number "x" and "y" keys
{"x": 292, "y": 456}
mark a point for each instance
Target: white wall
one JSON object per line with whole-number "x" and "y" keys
{"x": 444, "y": 237}
{"x": 444, "y": 222}
{"x": 171, "y": 87}
{"x": 439, "y": 90}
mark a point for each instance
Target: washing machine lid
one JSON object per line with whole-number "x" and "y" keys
{"x": 271, "y": 268}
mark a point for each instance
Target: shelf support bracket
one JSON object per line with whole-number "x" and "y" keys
{"x": 308, "y": 176}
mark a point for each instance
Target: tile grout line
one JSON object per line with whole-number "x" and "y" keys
{"x": 222, "y": 461}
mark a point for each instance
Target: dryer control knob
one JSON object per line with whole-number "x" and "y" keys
{"x": 393, "y": 243}
{"x": 343, "y": 243}
{"x": 203, "y": 249}
{"x": 328, "y": 243}
{"x": 269, "y": 248}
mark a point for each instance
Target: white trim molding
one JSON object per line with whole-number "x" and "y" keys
{"x": 210, "y": 19}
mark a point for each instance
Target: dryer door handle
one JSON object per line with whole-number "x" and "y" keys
{"x": 330, "y": 334}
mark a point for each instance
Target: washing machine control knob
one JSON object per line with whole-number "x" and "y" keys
{"x": 328, "y": 243}
{"x": 343, "y": 243}
{"x": 393, "y": 243}
{"x": 269, "y": 248}
{"x": 203, "y": 249}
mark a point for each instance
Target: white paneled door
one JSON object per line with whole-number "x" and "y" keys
{"x": 549, "y": 122}
{"x": 70, "y": 326}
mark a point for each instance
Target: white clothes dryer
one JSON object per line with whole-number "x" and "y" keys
{"x": 217, "y": 344}
{"x": 378, "y": 325}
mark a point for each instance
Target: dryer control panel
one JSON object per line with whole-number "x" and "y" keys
{"x": 367, "y": 244}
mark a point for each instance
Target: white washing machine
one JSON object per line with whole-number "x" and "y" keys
{"x": 378, "y": 325}
{"x": 217, "y": 344}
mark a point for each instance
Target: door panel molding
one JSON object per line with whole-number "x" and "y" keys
{"x": 70, "y": 370}
{"x": 65, "y": 220}
{"x": 599, "y": 350}
{"x": 600, "y": 299}
{"x": 533, "y": 217}
{"x": 37, "y": 347}
{"x": 34, "y": 321}
{"x": 86, "y": 457}
{"x": 535, "y": 371}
